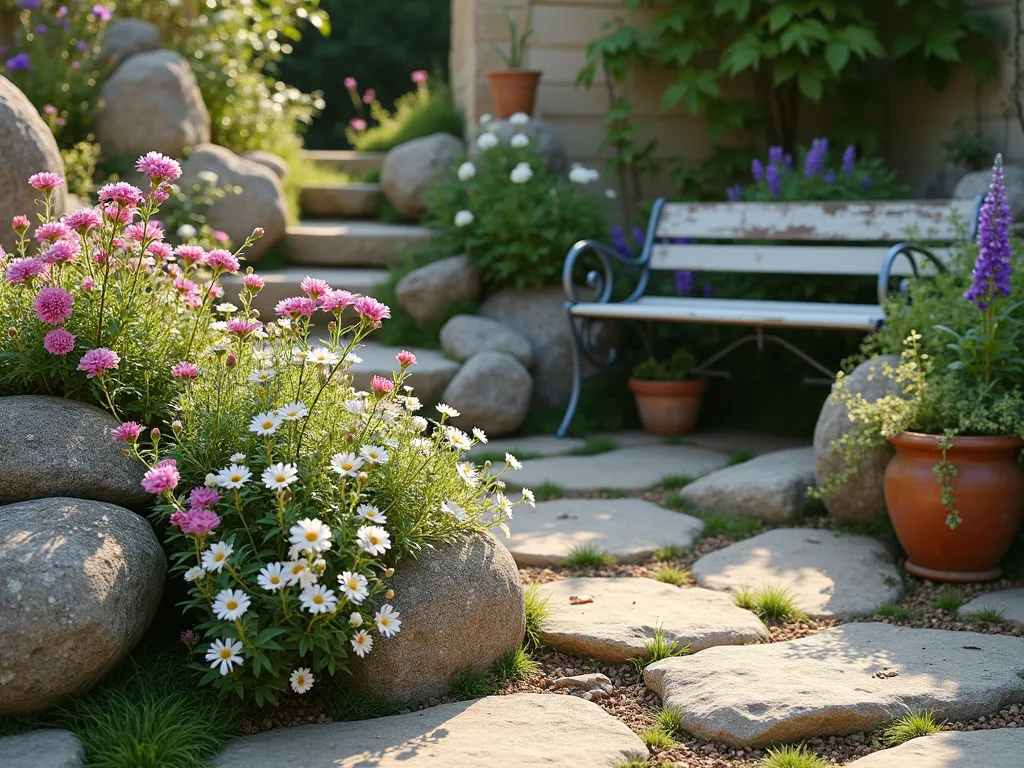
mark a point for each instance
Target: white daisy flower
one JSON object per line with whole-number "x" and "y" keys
{"x": 234, "y": 476}
{"x": 521, "y": 174}
{"x": 504, "y": 504}
{"x": 195, "y": 573}
{"x": 458, "y": 438}
{"x": 215, "y": 557}
{"x": 519, "y": 140}
{"x": 362, "y": 643}
{"x": 485, "y": 118}
{"x": 318, "y": 599}
{"x": 265, "y": 423}
{"x": 611, "y": 194}
{"x": 447, "y": 410}
{"x": 452, "y": 509}
{"x": 230, "y": 604}
{"x": 299, "y": 572}
{"x": 371, "y": 513}
{"x": 279, "y": 476}
{"x": 413, "y": 403}
{"x": 373, "y": 539}
{"x": 272, "y": 577}
{"x": 227, "y": 308}
{"x": 466, "y": 171}
{"x": 293, "y": 411}
{"x": 322, "y": 356}
{"x": 528, "y": 495}
{"x": 236, "y": 458}
{"x": 487, "y": 140}
{"x": 211, "y": 480}
{"x": 418, "y": 423}
{"x": 224, "y": 654}
{"x": 301, "y": 679}
{"x": 467, "y": 473}
{"x": 463, "y": 218}
{"x": 354, "y": 586}
{"x": 513, "y": 462}
{"x": 374, "y": 454}
{"x": 388, "y": 623}
{"x": 311, "y": 534}
{"x": 346, "y": 464}
{"x": 421, "y": 444}
{"x": 519, "y": 119}
{"x": 480, "y": 435}
{"x": 355, "y": 406}
{"x": 355, "y": 619}
{"x": 261, "y": 377}
{"x": 353, "y": 359}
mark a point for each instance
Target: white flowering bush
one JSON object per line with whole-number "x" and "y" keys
{"x": 510, "y": 213}
{"x": 289, "y": 497}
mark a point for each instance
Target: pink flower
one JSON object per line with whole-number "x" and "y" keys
{"x": 124, "y": 194}
{"x": 297, "y": 306}
{"x": 369, "y": 96}
{"x": 158, "y": 167}
{"x": 350, "y": 83}
{"x": 336, "y": 301}
{"x": 372, "y": 310}
{"x": 20, "y": 223}
{"x": 199, "y": 522}
{"x": 215, "y": 291}
{"x": 357, "y": 124}
{"x": 160, "y": 250}
{"x": 161, "y": 478}
{"x": 221, "y": 236}
{"x": 153, "y": 230}
{"x": 190, "y": 254}
{"x": 96, "y": 361}
{"x": 115, "y": 212}
{"x": 88, "y": 284}
{"x": 254, "y": 283}
{"x": 242, "y": 327}
{"x": 220, "y": 259}
{"x": 53, "y": 305}
{"x": 313, "y": 287}
{"x": 53, "y": 230}
{"x": 203, "y": 497}
{"x": 49, "y": 109}
{"x": 405, "y": 358}
{"x": 23, "y": 270}
{"x": 82, "y": 220}
{"x": 192, "y": 300}
{"x": 162, "y": 192}
{"x": 184, "y": 370}
{"x": 46, "y": 181}
{"x": 381, "y": 386}
{"x": 59, "y": 342}
{"x": 128, "y": 432}
{"x": 184, "y": 285}
{"x": 62, "y": 251}
{"x": 419, "y": 76}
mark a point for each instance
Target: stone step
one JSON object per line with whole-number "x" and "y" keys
{"x": 429, "y": 376}
{"x": 283, "y": 283}
{"x": 952, "y": 749}
{"x": 358, "y": 200}
{"x": 350, "y": 243}
{"x": 346, "y": 160}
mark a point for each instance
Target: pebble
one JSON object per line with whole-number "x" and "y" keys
{"x": 591, "y": 681}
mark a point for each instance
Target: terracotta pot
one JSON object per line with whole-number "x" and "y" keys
{"x": 668, "y": 407}
{"x": 514, "y": 90}
{"x": 989, "y": 492}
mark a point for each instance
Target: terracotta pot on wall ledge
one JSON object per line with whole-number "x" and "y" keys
{"x": 514, "y": 90}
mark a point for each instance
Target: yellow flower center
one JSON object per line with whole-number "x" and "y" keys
{"x": 318, "y": 599}
{"x": 231, "y": 605}
{"x": 374, "y": 539}
{"x": 279, "y": 478}
{"x": 268, "y": 424}
{"x": 384, "y": 621}
{"x": 225, "y": 653}
{"x": 311, "y": 536}
{"x": 218, "y": 556}
{"x": 353, "y": 584}
{"x": 361, "y": 640}
{"x": 236, "y": 478}
{"x": 300, "y": 681}
{"x": 275, "y": 579}
{"x": 347, "y": 466}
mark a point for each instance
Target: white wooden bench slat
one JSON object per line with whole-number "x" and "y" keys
{"x": 888, "y": 221}
{"x": 780, "y": 259}
{"x": 789, "y": 314}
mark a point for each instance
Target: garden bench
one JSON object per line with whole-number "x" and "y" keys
{"x": 812, "y": 238}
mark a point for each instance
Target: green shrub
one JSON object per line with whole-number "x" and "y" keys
{"x": 675, "y": 368}
{"x": 472, "y": 683}
{"x": 422, "y": 112}
{"x": 986, "y": 616}
{"x": 657, "y": 738}
{"x": 950, "y": 599}
{"x": 894, "y": 611}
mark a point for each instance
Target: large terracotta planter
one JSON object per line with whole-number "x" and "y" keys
{"x": 989, "y": 492}
{"x": 668, "y": 407}
{"x": 514, "y": 90}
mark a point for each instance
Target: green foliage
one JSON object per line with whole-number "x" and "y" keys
{"x": 950, "y": 599}
{"x": 672, "y": 482}
{"x": 472, "y": 683}
{"x": 791, "y": 756}
{"x": 911, "y": 725}
{"x": 514, "y": 666}
{"x": 740, "y": 455}
{"x": 345, "y": 705}
{"x": 498, "y": 457}
{"x": 894, "y": 611}
{"x": 587, "y": 556}
{"x": 423, "y": 112}
{"x": 669, "y": 575}
{"x": 516, "y": 40}
{"x": 595, "y": 445}
{"x": 670, "y": 720}
{"x": 670, "y": 552}
{"x": 656, "y": 738}
{"x": 717, "y": 524}
{"x": 968, "y": 148}
{"x": 770, "y": 603}
{"x": 538, "y": 611}
{"x": 656, "y": 648}
{"x": 80, "y": 167}
{"x": 676, "y": 368}
{"x": 548, "y": 491}
{"x": 986, "y": 616}
{"x": 614, "y": 493}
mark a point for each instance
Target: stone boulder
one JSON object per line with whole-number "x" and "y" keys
{"x": 977, "y": 182}
{"x": 55, "y": 447}
{"x": 152, "y": 102}
{"x": 427, "y": 291}
{"x": 461, "y": 605}
{"x": 126, "y": 37}
{"x": 276, "y": 163}
{"x": 544, "y": 140}
{"x": 260, "y": 203}
{"x": 862, "y": 498}
{"x": 28, "y": 147}
{"x": 81, "y": 583}
{"x": 465, "y": 335}
{"x": 492, "y": 391}
{"x": 953, "y": 749}
{"x": 409, "y": 168}
{"x": 771, "y": 487}
{"x": 51, "y": 748}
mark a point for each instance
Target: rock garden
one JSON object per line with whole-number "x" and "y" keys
{"x": 279, "y": 475}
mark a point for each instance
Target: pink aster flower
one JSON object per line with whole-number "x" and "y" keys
{"x": 350, "y": 83}
{"x": 203, "y": 497}
{"x": 161, "y": 193}
{"x": 128, "y": 432}
{"x": 297, "y": 306}
{"x": 220, "y": 259}
{"x": 59, "y": 342}
{"x": 82, "y": 220}
{"x": 116, "y": 212}
{"x": 161, "y": 251}
{"x": 420, "y": 76}
{"x": 357, "y": 124}
{"x": 336, "y": 301}
{"x": 21, "y": 271}
{"x": 190, "y": 254}
{"x": 185, "y": 370}
{"x": 253, "y": 283}
{"x": 53, "y": 305}
{"x": 153, "y": 230}
{"x": 192, "y": 300}
{"x": 382, "y": 386}
{"x": 405, "y": 358}
{"x": 215, "y": 291}
{"x": 62, "y": 251}
{"x": 158, "y": 167}
{"x": 46, "y": 181}
{"x": 87, "y": 284}
{"x": 52, "y": 230}
{"x": 199, "y": 522}
{"x": 372, "y": 310}
{"x": 221, "y": 236}
{"x": 124, "y": 194}
{"x": 161, "y": 478}
{"x": 243, "y": 327}
{"x": 184, "y": 285}
{"x": 314, "y": 288}
{"x": 20, "y": 223}
{"x": 96, "y": 362}
{"x": 369, "y": 95}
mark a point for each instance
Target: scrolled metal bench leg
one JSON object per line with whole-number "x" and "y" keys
{"x": 577, "y": 378}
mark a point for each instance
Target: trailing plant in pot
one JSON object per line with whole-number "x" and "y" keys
{"x": 514, "y": 89}
{"x": 668, "y": 401}
{"x": 955, "y": 488}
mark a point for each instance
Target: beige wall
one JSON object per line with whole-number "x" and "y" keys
{"x": 921, "y": 118}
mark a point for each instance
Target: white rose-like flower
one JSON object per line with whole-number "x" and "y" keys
{"x": 611, "y": 194}
{"x": 580, "y": 175}
{"x": 466, "y": 171}
{"x": 187, "y": 232}
{"x": 487, "y": 140}
{"x": 519, "y": 118}
{"x": 464, "y": 218}
{"x": 521, "y": 174}
{"x": 485, "y": 118}
{"x": 208, "y": 176}
{"x": 519, "y": 140}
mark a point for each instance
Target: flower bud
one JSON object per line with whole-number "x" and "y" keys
{"x": 362, "y": 477}
{"x": 389, "y": 572}
{"x": 332, "y": 326}
{"x": 389, "y": 595}
{"x": 355, "y": 619}
{"x": 12, "y": 332}
{"x": 255, "y": 313}
{"x": 176, "y": 426}
{"x": 231, "y": 360}
{"x": 154, "y": 434}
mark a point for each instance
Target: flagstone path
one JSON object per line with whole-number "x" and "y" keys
{"x": 999, "y": 748}
{"x": 1009, "y": 602}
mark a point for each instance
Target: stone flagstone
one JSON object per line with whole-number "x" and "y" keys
{"x": 630, "y": 530}
{"x": 519, "y": 731}
{"x": 772, "y": 487}
{"x": 1008, "y": 601}
{"x": 44, "y": 748}
{"x": 617, "y": 624}
{"x": 628, "y": 468}
{"x": 997, "y": 748}
{"x": 829, "y": 574}
{"x": 851, "y": 678}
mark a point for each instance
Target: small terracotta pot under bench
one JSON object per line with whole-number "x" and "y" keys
{"x": 668, "y": 407}
{"x": 989, "y": 495}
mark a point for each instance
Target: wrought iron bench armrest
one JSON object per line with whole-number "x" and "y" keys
{"x": 907, "y": 250}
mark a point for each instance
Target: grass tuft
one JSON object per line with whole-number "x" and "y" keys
{"x": 614, "y": 493}
{"x": 672, "y": 483}
{"x": 595, "y": 445}
{"x": 548, "y": 491}
{"x": 657, "y": 648}
{"x": 345, "y": 705}
{"x": 716, "y": 524}
{"x": 670, "y": 721}
{"x": 538, "y": 611}
{"x": 950, "y": 599}
{"x": 472, "y": 683}
{"x": 514, "y": 667}
{"x": 894, "y": 611}
{"x": 670, "y": 552}
{"x": 770, "y": 603}
{"x": 986, "y": 616}
{"x": 587, "y": 556}
{"x": 791, "y": 756}
{"x": 655, "y": 738}
{"x": 910, "y": 726}
{"x": 740, "y": 455}
{"x": 635, "y": 762}
{"x": 670, "y": 575}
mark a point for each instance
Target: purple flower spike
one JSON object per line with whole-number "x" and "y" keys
{"x": 774, "y": 182}
{"x": 830, "y": 177}
{"x": 734, "y": 193}
{"x": 776, "y": 156}
{"x": 638, "y": 235}
{"x": 619, "y": 242}
{"x": 814, "y": 163}
{"x": 19, "y": 63}
{"x": 684, "y": 282}
{"x": 756, "y": 169}
{"x": 849, "y": 158}
{"x": 991, "y": 276}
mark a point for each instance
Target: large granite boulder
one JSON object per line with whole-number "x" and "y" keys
{"x": 276, "y": 163}
{"x": 465, "y": 335}
{"x": 55, "y": 447}
{"x": 862, "y": 498}
{"x": 81, "y": 582}
{"x": 491, "y": 391}
{"x": 409, "y": 169}
{"x": 544, "y": 141}
{"x": 51, "y": 748}
{"x": 461, "y": 605}
{"x": 126, "y": 37}
{"x": 260, "y": 203}
{"x": 28, "y": 147}
{"x": 977, "y": 183}
{"x": 152, "y": 102}
{"x": 427, "y": 291}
